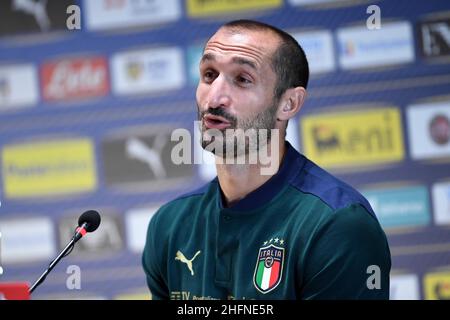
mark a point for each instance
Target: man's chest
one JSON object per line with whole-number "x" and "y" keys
{"x": 238, "y": 264}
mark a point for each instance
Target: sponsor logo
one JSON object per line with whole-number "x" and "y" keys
{"x": 141, "y": 161}
{"x": 44, "y": 169}
{"x": 188, "y": 262}
{"x": 194, "y": 55}
{"x": 318, "y": 46}
{"x": 136, "y": 224}
{"x": 180, "y": 295}
{"x": 437, "y": 286}
{"x": 441, "y": 201}
{"x": 269, "y": 267}
{"x": 33, "y": 16}
{"x": 429, "y": 130}
{"x": 404, "y": 287}
{"x": 27, "y": 239}
{"x": 400, "y": 207}
{"x": 435, "y": 38}
{"x": 200, "y": 8}
{"x": 75, "y": 78}
{"x": 135, "y": 70}
{"x": 440, "y": 129}
{"x": 350, "y": 138}
{"x": 18, "y": 86}
{"x": 107, "y": 14}
{"x": 360, "y": 47}
{"x": 107, "y": 238}
{"x": 147, "y": 71}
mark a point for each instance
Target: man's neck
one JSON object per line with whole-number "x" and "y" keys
{"x": 238, "y": 180}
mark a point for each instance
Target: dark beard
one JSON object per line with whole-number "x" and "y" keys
{"x": 265, "y": 120}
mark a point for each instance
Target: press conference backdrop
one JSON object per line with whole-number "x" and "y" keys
{"x": 86, "y": 118}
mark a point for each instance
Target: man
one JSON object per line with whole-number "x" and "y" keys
{"x": 297, "y": 233}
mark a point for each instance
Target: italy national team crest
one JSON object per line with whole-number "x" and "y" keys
{"x": 269, "y": 268}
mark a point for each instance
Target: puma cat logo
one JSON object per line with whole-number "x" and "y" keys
{"x": 38, "y": 9}
{"x": 180, "y": 256}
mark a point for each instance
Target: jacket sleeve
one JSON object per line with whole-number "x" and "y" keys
{"x": 152, "y": 264}
{"x": 348, "y": 258}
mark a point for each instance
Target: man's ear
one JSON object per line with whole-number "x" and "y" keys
{"x": 290, "y": 103}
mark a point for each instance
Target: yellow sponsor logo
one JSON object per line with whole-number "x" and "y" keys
{"x": 437, "y": 286}
{"x": 201, "y": 8}
{"x": 350, "y": 138}
{"x": 48, "y": 168}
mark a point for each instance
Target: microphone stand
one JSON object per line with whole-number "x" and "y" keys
{"x": 53, "y": 264}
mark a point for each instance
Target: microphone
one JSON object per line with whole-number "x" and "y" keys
{"x": 87, "y": 222}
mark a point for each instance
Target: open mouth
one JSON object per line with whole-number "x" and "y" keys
{"x": 215, "y": 122}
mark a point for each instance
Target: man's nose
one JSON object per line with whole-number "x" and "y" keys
{"x": 219, "y": 93}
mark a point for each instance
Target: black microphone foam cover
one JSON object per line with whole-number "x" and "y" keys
{"x": 92, "y": 218}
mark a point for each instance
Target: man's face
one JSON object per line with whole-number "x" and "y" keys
{"x": 236, "y": 87}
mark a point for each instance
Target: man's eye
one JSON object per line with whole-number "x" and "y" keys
{"x": 243, "y": 80}
{"x": 208, "y": 76}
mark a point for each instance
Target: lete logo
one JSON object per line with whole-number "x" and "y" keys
{"x": 75, "y": 78}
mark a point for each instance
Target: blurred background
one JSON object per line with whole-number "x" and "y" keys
{"x": 86, "y": 101}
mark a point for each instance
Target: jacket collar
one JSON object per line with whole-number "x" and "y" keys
{"x": 290, "y": 167}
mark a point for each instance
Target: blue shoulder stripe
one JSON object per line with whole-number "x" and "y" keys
{"x": 335, "y": 193}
